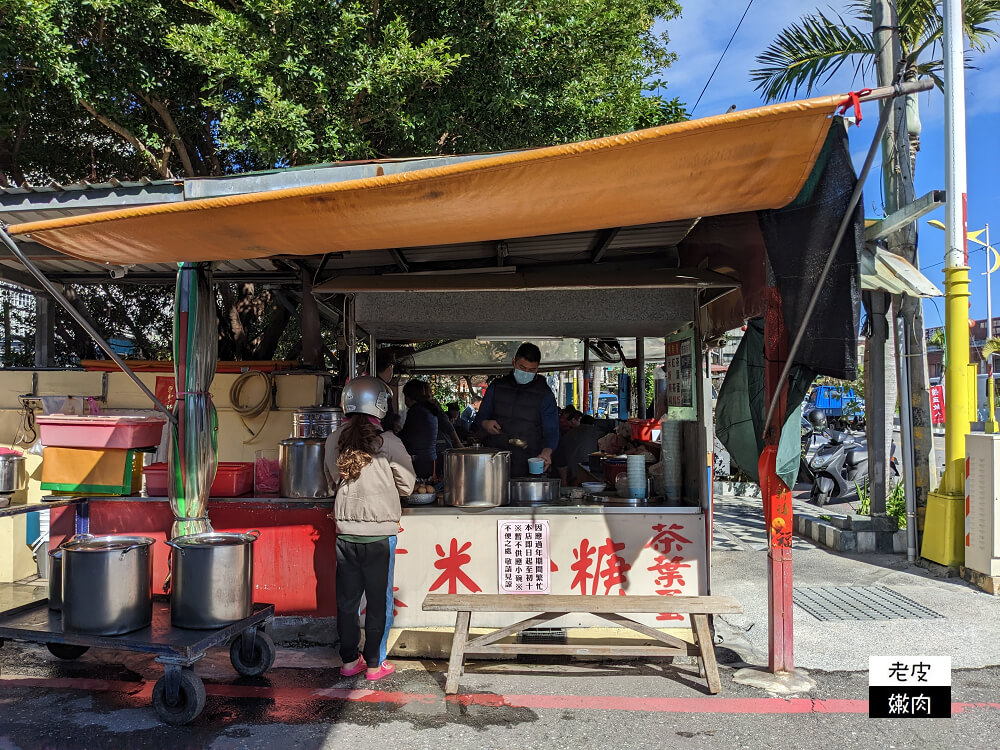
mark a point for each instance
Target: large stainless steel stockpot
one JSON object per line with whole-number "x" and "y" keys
{"x": 211, "y": 579}
{"x": 300, "y": 466}
{"x": 55, "y": 579}
{"x": 107, "y": 584}
{"x": 476, "y": 477}
{"x": 316, "y": 422}
{"x": 12, "y": 473}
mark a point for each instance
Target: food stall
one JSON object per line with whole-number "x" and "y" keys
{"x": 682, "y": 231}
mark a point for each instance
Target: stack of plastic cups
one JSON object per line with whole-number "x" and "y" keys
{"x": 636, "y": 466}
{"x": 671, "y": 450}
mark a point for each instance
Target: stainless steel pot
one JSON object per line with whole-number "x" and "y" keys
{"x": 540, "y": 491}
{"x": 318, "y": 422}
{"x": 476, "y": 477}
{"x": 12, "y": 474}
{"x": 107, "y": 584}
{"x": 300, "y": 466}
{"x": 211, "y": 576}
{"x": 55, "y": 579}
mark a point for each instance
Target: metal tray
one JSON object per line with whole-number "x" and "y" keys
{"x": 604, "y": 498}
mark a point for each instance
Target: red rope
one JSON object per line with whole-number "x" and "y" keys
{"x": 853, "y": 100}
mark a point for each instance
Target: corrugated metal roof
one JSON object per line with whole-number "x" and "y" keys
{"x": 57, "y": 187}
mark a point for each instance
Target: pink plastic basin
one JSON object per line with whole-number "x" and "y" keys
{"x": 69, "y": 431}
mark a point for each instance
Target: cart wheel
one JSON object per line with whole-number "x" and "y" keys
{"x": 66, "y": 650}
{"x": 190, "y": 699}
{"x": 260, "y": 661}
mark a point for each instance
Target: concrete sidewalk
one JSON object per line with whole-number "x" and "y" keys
{"x": 967, "y": 628}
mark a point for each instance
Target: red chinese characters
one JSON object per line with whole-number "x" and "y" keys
{"x": 595, "y": 566}
{"x": 451, "y": 566}
{"x": 667, "y": 566}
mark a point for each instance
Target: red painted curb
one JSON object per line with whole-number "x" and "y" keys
{"x": 531, "y": 700}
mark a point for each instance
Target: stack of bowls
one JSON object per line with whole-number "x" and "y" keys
{"x": 636, "y": 469}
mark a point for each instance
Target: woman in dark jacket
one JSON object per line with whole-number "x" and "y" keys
{"x": 420, "y": 431}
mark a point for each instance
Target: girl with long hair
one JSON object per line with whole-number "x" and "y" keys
{"x": 370, "y": 470}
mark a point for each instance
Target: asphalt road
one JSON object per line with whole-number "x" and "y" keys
{"x": 102, "y": 701}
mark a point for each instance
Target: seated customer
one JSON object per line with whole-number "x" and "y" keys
{"x": 420, "y": 430}
{"x": 575, "y": 447}
{"x": 455, "y": 417}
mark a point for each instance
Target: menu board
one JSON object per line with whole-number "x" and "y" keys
{"x": 681, "y": 371}
{"x": 525, "y": 561}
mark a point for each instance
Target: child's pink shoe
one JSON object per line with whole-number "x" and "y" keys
{"x": 355, "y": 667}
{"x": 385, "y": 669}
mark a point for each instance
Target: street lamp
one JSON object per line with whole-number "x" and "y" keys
{"x": 992, "y": 264}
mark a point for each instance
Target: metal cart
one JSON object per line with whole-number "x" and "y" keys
{"x": 179, "y": 695}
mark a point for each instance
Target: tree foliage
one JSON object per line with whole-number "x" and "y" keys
{"x": 98, "y": 89}
{"x": 809, "y": 52}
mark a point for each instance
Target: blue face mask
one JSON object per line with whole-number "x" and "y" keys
{"x": 523, "y": 377}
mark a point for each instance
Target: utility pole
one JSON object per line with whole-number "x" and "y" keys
{"x": 897, "y": 181}
{"x": 944, "y": 524}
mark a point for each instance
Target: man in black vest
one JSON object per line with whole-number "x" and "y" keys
{"x": 520, "y": 407}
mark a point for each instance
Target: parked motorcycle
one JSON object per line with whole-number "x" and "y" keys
{"x": 838, "y": 468}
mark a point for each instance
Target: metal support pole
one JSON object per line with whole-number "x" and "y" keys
{"x": 776, "y": 496}
{"x": 640, "y": 377}
{"x": 371, "y": 354}
{"x": 991, "y": 426}
{"x": 879, "y": 303}
{"x": 83, "y": 323}
{"x": 350, "y": 336}
{"x": 944, "y": 531}
{"x": 45, "y": 324}
{"x": 906, "y": 435}
{"x": 585, "y": 401}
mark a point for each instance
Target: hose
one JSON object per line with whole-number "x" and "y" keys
{"x": 254, "y": 410}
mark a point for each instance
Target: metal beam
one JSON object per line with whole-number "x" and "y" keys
{"x": 602, "y": 243}
{"x": 250, "y": 277}
{"x": 21, "y": 279}
{"x": 84, "y": 324}
{"x": 400, "y": 259}
{"x": 904, "y": 216}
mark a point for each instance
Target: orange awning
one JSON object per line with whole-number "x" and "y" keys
{"x": 743, "y": 161}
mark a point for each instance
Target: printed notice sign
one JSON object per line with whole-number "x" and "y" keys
{"x": 909, "y": 687}
{"x": 525, "y": 563}
{"x": 680, "y": 368}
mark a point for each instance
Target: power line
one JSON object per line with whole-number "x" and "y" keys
{"x": 710, "y": 77}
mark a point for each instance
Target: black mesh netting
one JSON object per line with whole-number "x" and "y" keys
{"x": 798, "y": 239}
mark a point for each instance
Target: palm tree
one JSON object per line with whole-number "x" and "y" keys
{"x": 810, "y": 52}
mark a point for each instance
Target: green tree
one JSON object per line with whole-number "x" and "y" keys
{"x": 95, "y": 89}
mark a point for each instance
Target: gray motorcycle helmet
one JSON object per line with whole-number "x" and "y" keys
{"x": 366, "y": 395}
{"x": 817, "y": 417}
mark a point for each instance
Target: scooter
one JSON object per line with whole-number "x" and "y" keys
{"x": 837, "y": 467}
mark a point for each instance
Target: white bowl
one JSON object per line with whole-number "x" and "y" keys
{"x": 593, "y": 487}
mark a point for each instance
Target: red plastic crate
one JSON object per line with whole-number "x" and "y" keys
{"x": 124, "y": 432}
{"x": 233, "y": 479}
{"x": 642, "y": 429}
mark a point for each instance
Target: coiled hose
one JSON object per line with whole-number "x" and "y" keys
{"x": 253, "y": 410}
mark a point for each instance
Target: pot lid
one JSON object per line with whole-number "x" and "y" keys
{"x": 476, "y": 451}
{"x": 215, "y": 539}
{"x": 105, "y": 543}
{"x": 319, "y": 410}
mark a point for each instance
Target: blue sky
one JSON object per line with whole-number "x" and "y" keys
{"x": 699, "y": 37}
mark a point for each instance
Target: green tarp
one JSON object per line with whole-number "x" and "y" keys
{"x": 742, "y": 407}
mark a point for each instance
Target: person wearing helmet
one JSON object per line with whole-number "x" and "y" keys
{"x": 370, "y": 470}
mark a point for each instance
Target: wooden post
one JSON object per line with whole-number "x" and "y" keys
{"x": 777, "y": 497}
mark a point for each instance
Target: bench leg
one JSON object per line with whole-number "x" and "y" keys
{"x": 457, "y": 652}
{"x": 707, "y": 648}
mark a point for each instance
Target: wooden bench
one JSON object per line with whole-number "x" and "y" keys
{"x": 611, "y": 608}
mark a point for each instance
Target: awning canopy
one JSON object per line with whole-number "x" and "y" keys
{"x": 744, "y": 161}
